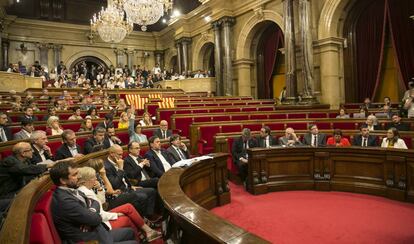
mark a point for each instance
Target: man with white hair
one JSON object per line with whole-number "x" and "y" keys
{"x": 41, "y": 151}
{"x": 163, "y": 132}
{"x": 290, "y": 139}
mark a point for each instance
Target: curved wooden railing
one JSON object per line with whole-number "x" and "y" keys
{"x": 188, "y": 193}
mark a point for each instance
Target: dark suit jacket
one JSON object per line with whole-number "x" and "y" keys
{"x": 158, "y": 133}
{"x": 36, "y": 156}
{"x": 91, "y": 146}
{"x": 133, "y": 171}
{"x": 307, "y": 139}
{"x": 71, "y": 215}
{"x": 8, "y": 132}
{"x": 64, "y": 152}
{"x": 262, "y": 143}
{"x": 372, "y": 141}
{"x": 24, "y": 117}
{"x": 401, "y": 126}
{"x": 116, "y": 176}
{"x": 175, "y": 156}
{"x": 238, "y": 151}
{"x": 155, "y": 163}
{"x": 14, "y": 174}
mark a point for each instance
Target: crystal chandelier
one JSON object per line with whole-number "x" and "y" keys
{"x": 110, "y": 23}
{"x": 146, "y": 12}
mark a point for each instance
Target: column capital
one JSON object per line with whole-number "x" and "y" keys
{"x": 159, "y": 52}
{"x": 57, "y": 47}
{"x": 228, "y": 20}
{"x": 216, "y": 25}
{"x": 184, "y": 40}
{"x": 43, "y": 46}
{"x": 119, "y": 51}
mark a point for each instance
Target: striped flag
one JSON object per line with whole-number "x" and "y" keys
{"x": 138, "y": 101}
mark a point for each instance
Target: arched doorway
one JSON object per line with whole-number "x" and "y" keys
{"x": 174, "y": 64}
{"x": 269, "y": 61}
{"x": 88, "y": 65}
{"x": 206, "y": 56}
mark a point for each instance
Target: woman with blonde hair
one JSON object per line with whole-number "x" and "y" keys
{"x": 146, "y": 119}
{"x": 122, "y": 216}
{"x": 53, "y": 125}
{"x": 123, "y": 121}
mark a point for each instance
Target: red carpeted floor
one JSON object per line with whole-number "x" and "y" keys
{"x": 320, "y": 217}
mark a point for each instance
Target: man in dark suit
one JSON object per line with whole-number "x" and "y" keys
{"x": 95, "y": 143}
{"x": 28, "y": 114}
{"x": 114, "y": 167}
{"x": 5, "y": 131}
{"x": 26, "y": 131}
{"x": 396, "y": 123}
{"x": 314, "y": 138}
{"x": 111, "y": 138}
{"x": 265, "y": 139}
{"x": 160, "y": 160}
{"x": 163, "y": 132}
{"x": 76, "y": 217}
{"x": 107, "y": 122}
{"x": 239, "y": 152}
{"x": 178, "y": 149}
{"x": 138, "y": 169}
{"x": 41, "y": 151}
{"x": 364, "y": 139}
{"x": 69, "y": 148}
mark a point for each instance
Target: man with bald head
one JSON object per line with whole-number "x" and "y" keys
{"x": 17, "y": 170}
{"x": 290, "y": 139}
{"x": 163, "y": 132}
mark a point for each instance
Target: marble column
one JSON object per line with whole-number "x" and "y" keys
{"x": 179, "y": 59}
{"x": 307, "y": 52}
{"x": 120, "y": 57}
{"x": 2, "y": 64}
{"x": 44, "y": 53}
{"x": 227, "y": 23}
{"x": 131, "y": 58}
{"x": 159, "y": 58}
{"x": 5, "y": 54}
{"x": 290, "y": 52}
{"x": 243, "y": 68}
{"x": 184, "y": 43}
{"x": 218, "y": 62}
{"x": 57, "y": 54}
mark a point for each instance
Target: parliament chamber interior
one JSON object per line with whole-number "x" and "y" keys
{"x": 206, "y": 121}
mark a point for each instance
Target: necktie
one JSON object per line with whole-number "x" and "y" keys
{"x": 3, "y": 136}
{"x": 315, "y": 141}
{"x": 163, "y": 134}
{"x": 180, "y": 154}
{"x": 267, "y": 142}
{"x": 364, "y": 142}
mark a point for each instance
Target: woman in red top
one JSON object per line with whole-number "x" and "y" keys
{"x": 337, "y": 140}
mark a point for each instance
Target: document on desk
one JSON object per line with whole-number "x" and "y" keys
{"x": 188, "y": 162}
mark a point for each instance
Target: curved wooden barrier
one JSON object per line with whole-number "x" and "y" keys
{"x": 377, "y": 171}
{"x": 185, "y": 190}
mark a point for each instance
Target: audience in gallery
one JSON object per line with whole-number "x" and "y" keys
{"x": 393, "y": 140}
{"x": 337, "y": 140}
{"x": 76, "y": 217}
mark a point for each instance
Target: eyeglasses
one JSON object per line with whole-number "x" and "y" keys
{"x": 28, "y": 150}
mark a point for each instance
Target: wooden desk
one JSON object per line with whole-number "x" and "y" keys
{"x": 377, "y": 171}
{"x": 186, "y": 191}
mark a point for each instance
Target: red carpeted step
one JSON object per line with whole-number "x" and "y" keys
{"x": 320, "y": 217}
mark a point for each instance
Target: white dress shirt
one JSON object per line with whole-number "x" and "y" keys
{"x": 164, "y": 161}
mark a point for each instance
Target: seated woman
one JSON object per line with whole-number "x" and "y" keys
{"x": 372, "y": 123}
{"x": 393, "y": 139}
{"x": 86, "y": 125}
{"x": 337, "y": 140}
{"x": 105, "y": 105}
{"x": 76, "y": 114}
{"x": 135, "y": 134}
{"x": 342, "y": 114}
{"x": 146, "y": 119}
{"x": 122, "y": 216}
{"x": 123, "y": 121}
{"x": 121, "y": 105}
{"x": 92, "y": 113}
{"x": 54, "y": 127}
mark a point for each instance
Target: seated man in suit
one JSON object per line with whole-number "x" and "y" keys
{"x": 69, "y": 148}
{"x": 364, "y": 139}
{"x": 265, "y": 139}
{"x": 28, "y": 114}
{"x": 41, "y": 151}
{"x": 95, "y": 143}
{"x": 396, "y": 123}
{"x": 314, "y": 138}
{"x": 160, "y": 160}
{"x": 114, "y": 167}
{"x": 239, "y": 152}
{"x": 290, "y": 139}
{"x": 163, "y": 132}
{"x": 107, "y": 122}
{"x": 5, "y": 131}
{"x": 76, "y": 217}
{"x": 111, "y": 137}
{"x": 137, "y": 168}
{"x": 26, "y": 131}
{"x": 178, "y": 149}
{"x": 17, "y": 170}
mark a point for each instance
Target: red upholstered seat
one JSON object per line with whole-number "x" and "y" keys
{"x": 207, "y": 133}
{"x": 38, "y": 233}
{"x": 230, "y": 165}
{"x": 332, "y": 115}
{"x": 183, "y": 124}
{"x": 253, "y": 127}
{"x": 236, "y": 109}
{"x": 73, "y": 126}
{"x": 265, "y": 109}
{"x": 278, "y": 116}
{"x": 43, "y": 207}
{"x": 231, "y": 128}
{"x": 221, "y": 118}
{"x": 54, "y": 145}
{"x": 239, "y": 117}
{"x": 323, "y": 125}
{"x": 317, "y": 115}
{"x": 152, "y": 108}
{"x": 276, "y": 126}
{"x": 249, "y": 109}
{"x": 166, "y": 114}
{"x": 202, "y": 119}
{"x": 258, "y": 116}
{"x": 296, "y": 116}
{"x": 298, "y": 125}
{"x": 408, "y": 142}
{"x": 345, "y": 125}
{"x": 216, "y": 110}
{"x": 123, "y": 135}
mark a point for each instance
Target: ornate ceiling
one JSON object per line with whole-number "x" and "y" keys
{"x": 78, "y": 11}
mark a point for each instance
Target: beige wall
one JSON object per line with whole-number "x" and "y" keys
{"x": 327, "y": 16}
